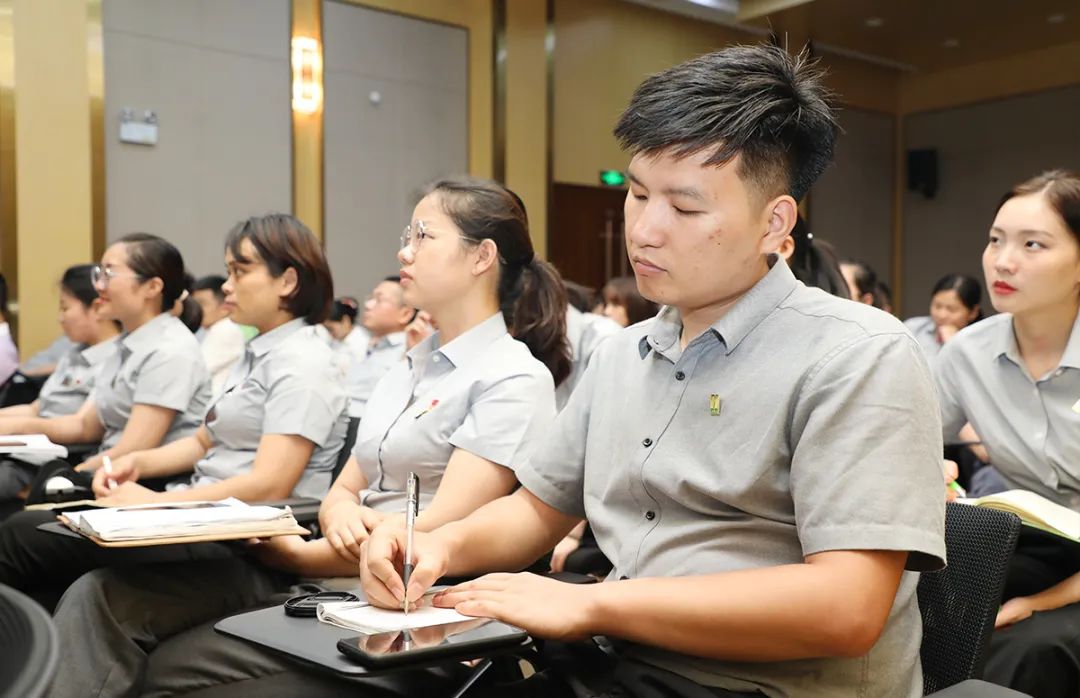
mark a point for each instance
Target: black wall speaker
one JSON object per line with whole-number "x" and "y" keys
{"x": 922, "y": 171}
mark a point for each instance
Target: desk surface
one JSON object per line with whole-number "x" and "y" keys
{"x": 308, "y": 640}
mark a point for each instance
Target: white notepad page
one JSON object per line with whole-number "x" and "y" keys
{"x": 365, "y": 618}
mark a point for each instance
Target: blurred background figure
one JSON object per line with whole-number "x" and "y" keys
{"x": 623, "y": 303}
{"x": 9, "y": 355}
{"x": 955, "y": 303}
{"x": 222, "y": 340}
{"x": 813, "y": 261}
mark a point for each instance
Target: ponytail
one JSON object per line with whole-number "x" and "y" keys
{"x": 77, "y": 283}
{"x": 531, "y": 292}
{"x": 533, "y": 302}
{"x": 191, "y": 313}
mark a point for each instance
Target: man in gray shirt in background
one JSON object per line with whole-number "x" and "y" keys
{"x": 761, "y": 462}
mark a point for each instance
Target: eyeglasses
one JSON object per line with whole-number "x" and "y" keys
{"x": 413, "y": 235}
{"x": 101, "y": 276}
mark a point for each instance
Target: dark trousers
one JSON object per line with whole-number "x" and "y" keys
{"x": 201, "y": 663}
{"x": 43, "y": 564}
{"x": 1039, "y": 656}
{"x": 112, "y": 620}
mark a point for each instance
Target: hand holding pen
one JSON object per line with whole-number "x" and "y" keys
{"x": 114, "y": 473}
{"x": 412, "y": 506}
{"x": 109, "y": 472}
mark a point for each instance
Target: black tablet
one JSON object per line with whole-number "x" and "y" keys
{"x": 434, "y": 644}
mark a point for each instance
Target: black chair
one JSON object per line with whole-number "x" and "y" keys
{"x": 28, "y": 646}
{"x": 306, "y": 509}
{"x": 21, "y": 389}
{"x": 959, "y": 603}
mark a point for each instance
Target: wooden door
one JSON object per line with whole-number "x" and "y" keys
{"x": 585, "y": 239}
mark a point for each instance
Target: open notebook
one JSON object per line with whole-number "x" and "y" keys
{"x": 1035, "y": 511}
{"x": 365, "y": 618}
{"x": 36, "y": 446}
{"x": 182, "y": 522}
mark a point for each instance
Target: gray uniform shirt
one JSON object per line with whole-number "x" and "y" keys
{"x": 584, "y": 332}
{"x": 1029, "y": 426}
{"x": 365, "y": 374}
{"x": 483, "y": 393}
{"x": 787, "y": 429}
{"x": 289, "y": 381}
{"x": 70, "y": 384}
{"x": 925, "y": 331}
{"x": 158, "y": 364}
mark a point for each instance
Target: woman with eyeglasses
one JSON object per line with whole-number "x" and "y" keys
{"x": 462, "y": 412}
{"x": 276, "y": 430}
{"x": 93, "y": 341}
{"x": 155, "y": 388}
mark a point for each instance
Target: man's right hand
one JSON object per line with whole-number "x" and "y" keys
{"x": 124, "y": 469}
{"x": 384, "y": 555}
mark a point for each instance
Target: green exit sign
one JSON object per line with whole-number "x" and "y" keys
{"x": 612, "y": 178}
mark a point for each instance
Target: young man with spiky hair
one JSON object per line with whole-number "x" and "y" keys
{"x": 730, "y": 453}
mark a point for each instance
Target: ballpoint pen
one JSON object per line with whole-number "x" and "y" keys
{"x": 412, "y": 505}
{"x": 108, "y": 471}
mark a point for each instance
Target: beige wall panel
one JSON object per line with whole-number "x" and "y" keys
{"x": 378, "y": 156}
{"x": 1036, "y": 71}
{"x": 527, "y": 112}
{"x": 604, "y": 48}
{"x": 476, "y": 17}
{"x": 851, "y": 205}
{"x": 982, "y": 151}
{"x": 224, "y": 148}
{"x": 52, "y": 141}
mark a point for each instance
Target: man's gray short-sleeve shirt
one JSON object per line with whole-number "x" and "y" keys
{"x": 785, "y": 430}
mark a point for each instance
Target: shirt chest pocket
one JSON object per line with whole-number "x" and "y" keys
{"x": 719, "y": 458}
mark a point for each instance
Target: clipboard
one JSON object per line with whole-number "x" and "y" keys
{"x": 298, "y": 530}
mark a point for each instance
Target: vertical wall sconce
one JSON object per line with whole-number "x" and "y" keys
{"x": 307, "y": 78}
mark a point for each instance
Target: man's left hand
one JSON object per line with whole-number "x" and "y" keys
{"x": 542, "y": 607}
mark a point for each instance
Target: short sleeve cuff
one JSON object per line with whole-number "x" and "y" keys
{"x": 317, "y": 433}
{"x": 178, "y": 403}
{"x": 564, "y": 497}
{"x": 927, "y": 550}
{"x": 484, "y": 448}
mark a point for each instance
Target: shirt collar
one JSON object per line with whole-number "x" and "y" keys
{"x": 462, "y": 347}
{"x": 263, "y": 343}
{"x": 394, "y": 339}
{"x": 146, "y": 336}
{"x": 1004, "y": 344}
{"x": 738, "y": 322}
{"x": 1071, "y": 357}
{"x": 95, "y": 354}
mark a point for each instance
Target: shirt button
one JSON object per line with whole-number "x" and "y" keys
{"x": 435, "y": 358}
{"x": 647, "y": 442}
{"x": 650, "y": 515}
{"x": 679, "y": 375}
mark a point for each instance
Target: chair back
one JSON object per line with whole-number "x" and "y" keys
{"x": 347, "y": 447}
{"x": 959, "y": 603}
{"x": 28, "y": 646}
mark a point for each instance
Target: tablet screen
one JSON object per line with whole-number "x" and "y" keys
{"x": 451, "y": 639}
